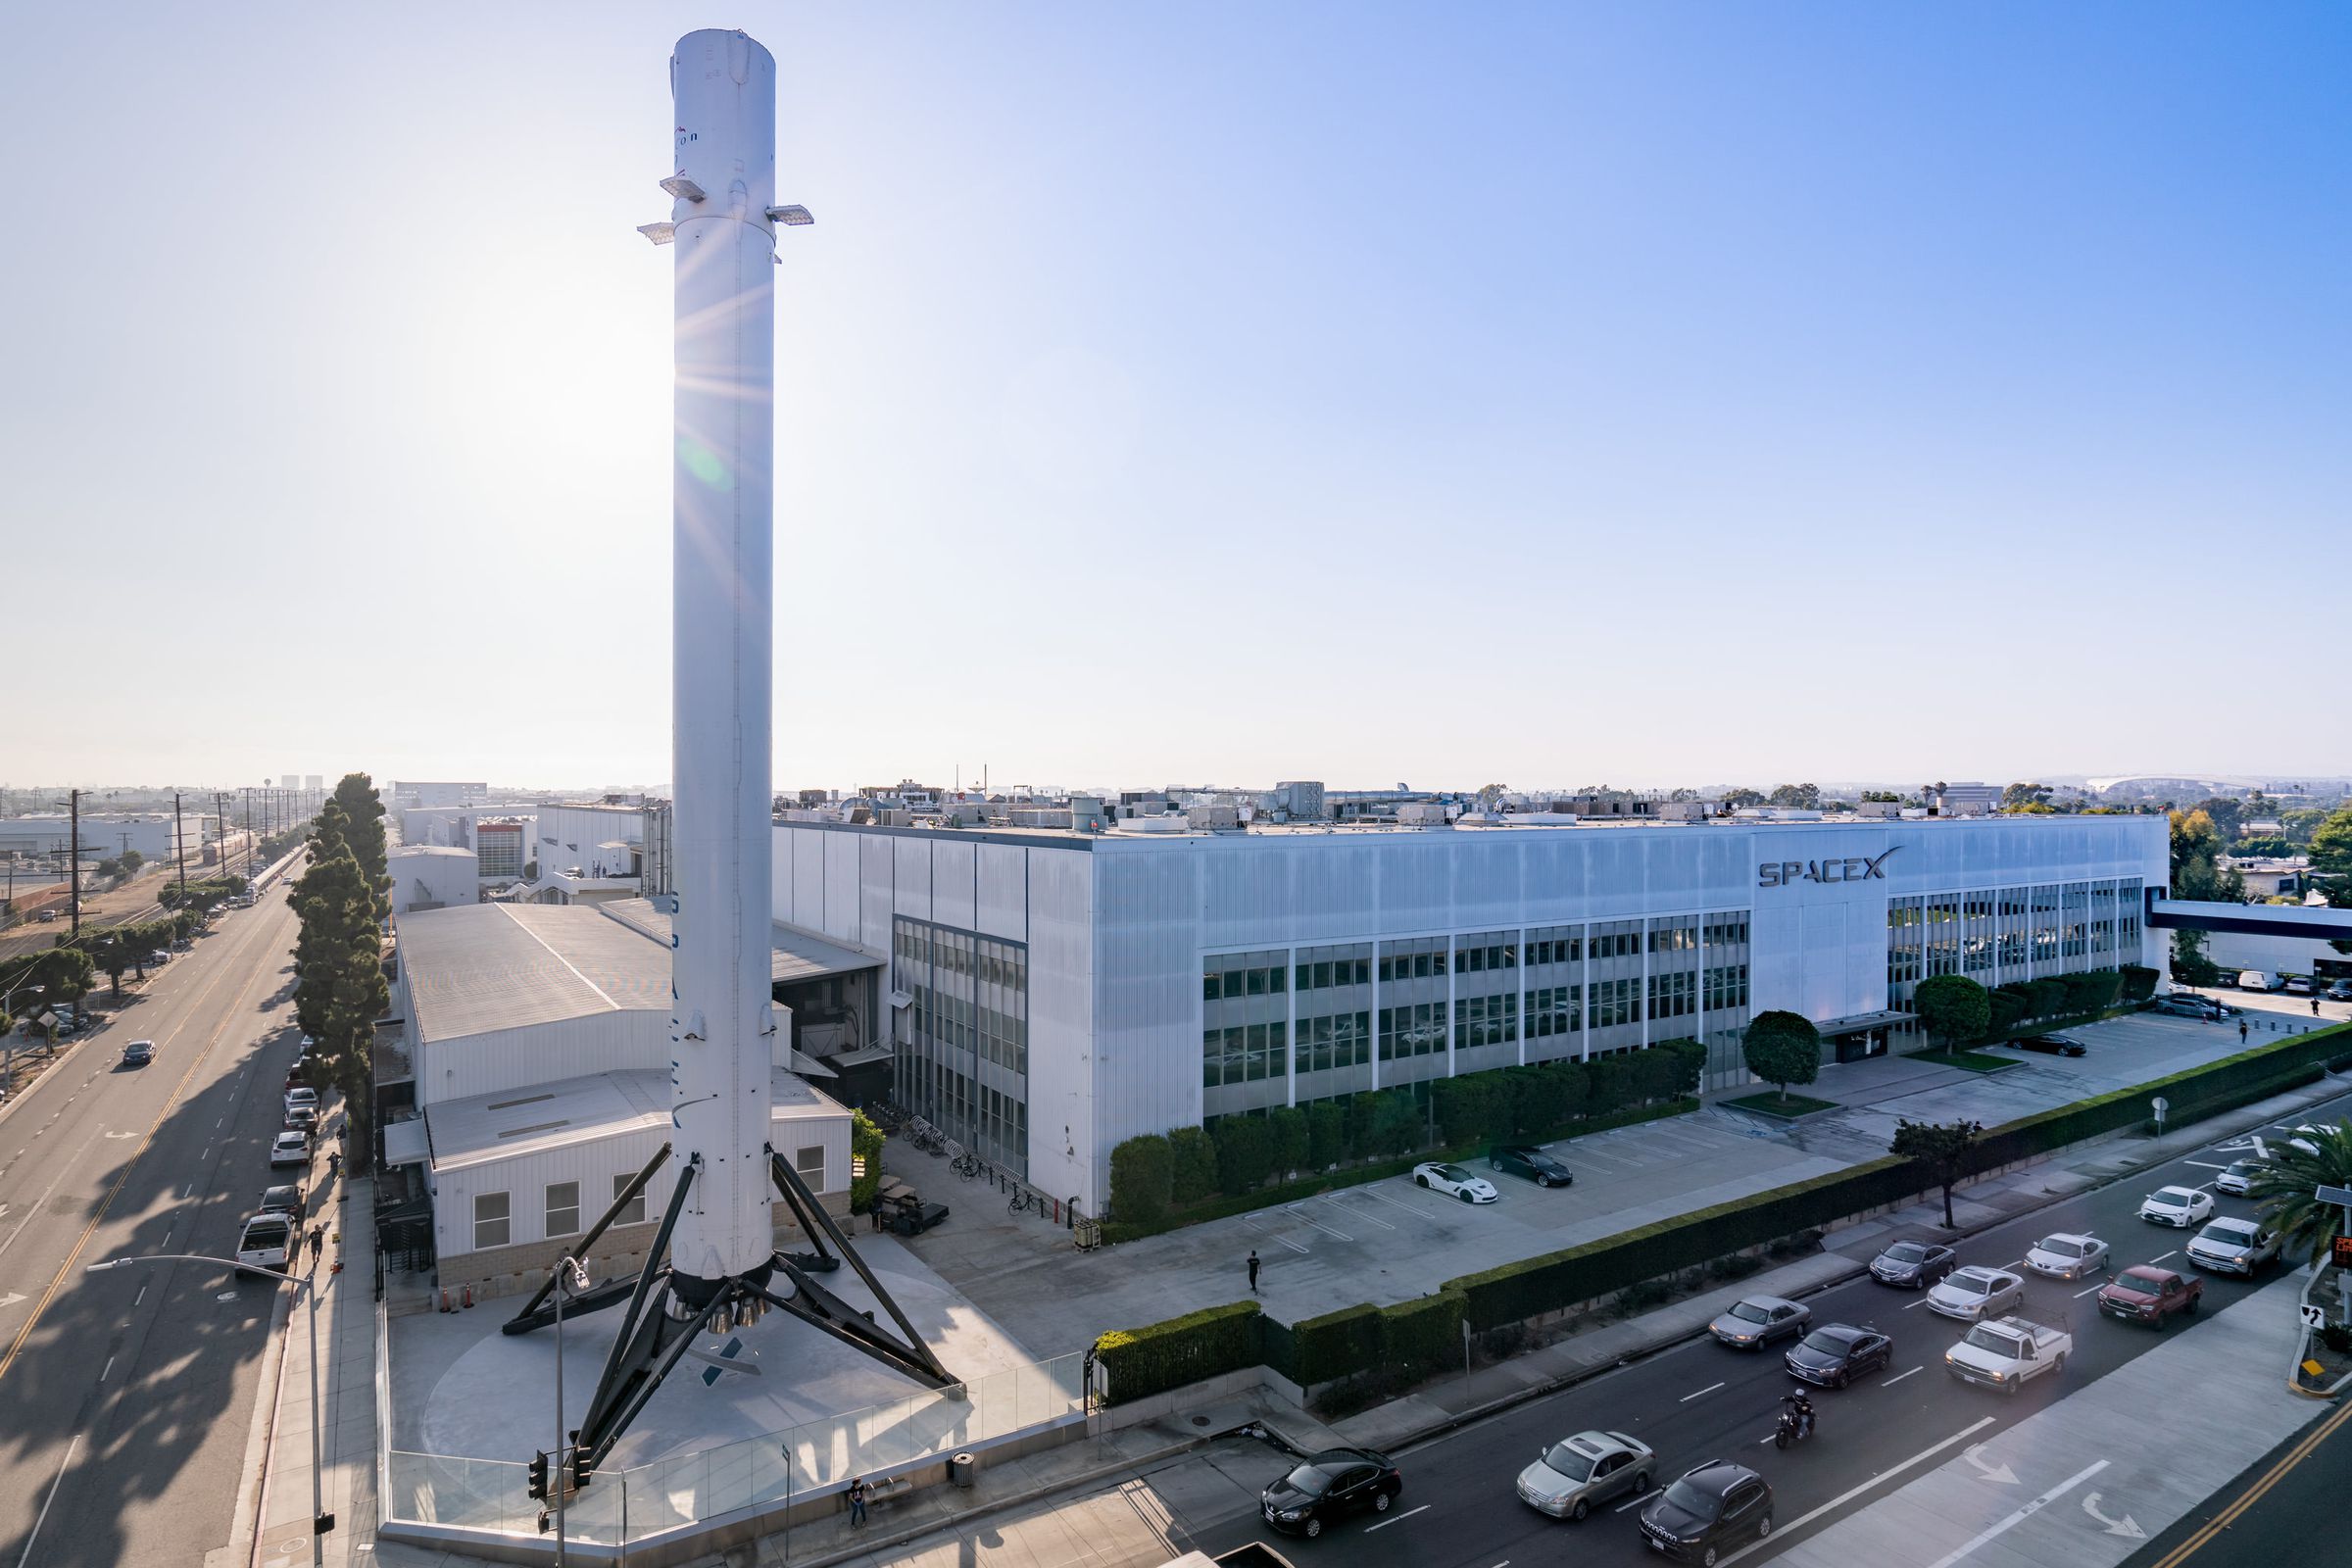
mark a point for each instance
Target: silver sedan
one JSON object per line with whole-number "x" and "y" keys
{"x": 1576, "y": 1474}
{"x": 1758, "y": 1321}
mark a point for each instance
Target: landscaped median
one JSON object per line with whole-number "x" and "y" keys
{"x": 1412, "y": 1339}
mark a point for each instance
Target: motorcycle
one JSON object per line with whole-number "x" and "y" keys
{"x": 1793, "y": 1426}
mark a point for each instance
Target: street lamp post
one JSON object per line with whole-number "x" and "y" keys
{"x": 305, "y": 1284}
{"x": 571, "y": 1277}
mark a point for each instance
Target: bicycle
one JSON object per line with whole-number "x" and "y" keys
{"x": 966, "y": 1165}
{"x": 1022, "y": 1200}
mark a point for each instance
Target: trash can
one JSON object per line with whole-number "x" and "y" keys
{"x": 961, "y": 1469}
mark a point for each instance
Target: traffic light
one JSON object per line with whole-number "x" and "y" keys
{"x": 583, "y": 1467}
{"x": 539, "y": 1473}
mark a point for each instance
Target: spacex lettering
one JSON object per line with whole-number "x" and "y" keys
{"x": 1853, "y": 868}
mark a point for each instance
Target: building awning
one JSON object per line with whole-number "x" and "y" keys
{"x": 861, "y": 1056}
{"x": 404, "y": 1142}
{"x": 1859, "y": 1023}
{"x": 810, "y": 1067}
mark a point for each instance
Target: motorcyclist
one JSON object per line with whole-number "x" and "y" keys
{"x": 1802, "y": 1406}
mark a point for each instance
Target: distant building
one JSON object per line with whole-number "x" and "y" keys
{"x": 430, "y": 877}
{"x": 412, "y": 792}
{"x": 1968, "y": 799}
{"x": 500, "y": 846}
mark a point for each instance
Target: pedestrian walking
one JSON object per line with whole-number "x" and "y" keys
{"x": 1253, "y": 1266}
{"x": 857, "y": 1503}
{"x": 335, "y": 1163}
{"x": 2315, "y": 1007}
{"x": 2241, "y": 1031}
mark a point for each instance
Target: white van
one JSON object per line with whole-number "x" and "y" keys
{"x": 2258, "y": 980}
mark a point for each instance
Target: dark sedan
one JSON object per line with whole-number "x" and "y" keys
{"x": 1525, "y": 1160}
{"x": 2053, "y": 1044}
{"x": 1709, "y": 1513}
{"x": 1326, "y": 1488}
{"x": 1913, "y": 1265}
{"x": 1835, "y": 1355}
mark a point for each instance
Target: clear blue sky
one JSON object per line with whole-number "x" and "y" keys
{"x": 1552, "y": 394}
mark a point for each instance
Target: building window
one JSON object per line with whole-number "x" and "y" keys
{"x": 810, "y": 1163}
{"x": 489, "y": 1220}
{"x": 562, "y": 1209}
{"x": 632, "y": 1212}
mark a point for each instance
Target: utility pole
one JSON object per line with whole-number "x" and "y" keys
{"x": 74, "y": 862}
{"x": 179, "y": 847}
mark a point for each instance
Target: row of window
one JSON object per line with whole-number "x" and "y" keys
{"x": 1674, "y": 995}
{"x": 494, "y": 1212}
{"x": 1226, "y": 976}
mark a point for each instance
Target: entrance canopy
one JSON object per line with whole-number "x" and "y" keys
{"x": 1861, "y": 1023}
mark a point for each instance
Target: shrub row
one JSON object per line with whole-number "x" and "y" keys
{"x": 1140, "y": 1362}
{"x": 1423, "y": 1334}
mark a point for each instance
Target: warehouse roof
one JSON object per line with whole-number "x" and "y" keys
{"x": 478, "y": 968}
{"x": 507, "y": 1122}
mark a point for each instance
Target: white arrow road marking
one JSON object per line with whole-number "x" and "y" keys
{"x": 11, "y": 1299}
{"x": 2126, "y": 1527}
{"x": 122, "y": 1135}
{"x": 1990, "y": 1472}
{"x": 1790, "y": 1527}
{"x": 2020, "y": 1515}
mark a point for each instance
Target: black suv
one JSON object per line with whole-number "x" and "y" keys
{"x": 1326, "y": 1488}
{"x": 1707, "y": 1512}
{"x": 1525, "y": 1160}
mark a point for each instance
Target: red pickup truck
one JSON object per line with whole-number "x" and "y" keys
{"x": 2145, "y": 1295}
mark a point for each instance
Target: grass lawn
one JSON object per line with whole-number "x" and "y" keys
{"x": 1772, "y": 1105}
{"x": 1966, "y": 1061}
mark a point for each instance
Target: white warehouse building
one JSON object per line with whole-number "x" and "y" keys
{"x": 1054, "y": 993}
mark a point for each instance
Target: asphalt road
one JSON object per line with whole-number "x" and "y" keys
{"x": 134, "y": 900}
{"x": 2285, "y": 1508}
{"x": 1702, "y": 1401}
{"x": 125, "y": 1398}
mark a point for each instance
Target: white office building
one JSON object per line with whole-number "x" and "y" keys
{"x": 1054, "y": 993}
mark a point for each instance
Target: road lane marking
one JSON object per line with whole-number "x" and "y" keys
{"x": 2254, "y": 1494}
{"x": 2161, "y": 1256}
{"x": 1899, "y": 1376}
{"x": 2079, "y": 1294}
{"x": 52, "y": 1498}
{"x": 1637, "y": 1501}
{"x": 1782, "y": 1534}
{"x": 1908, "y": 1305}
{"x": 2020, "y": 1515}
{"x": 2204, "y": 1165}
{"x": 141, "y": 1296}
{"x": 1396, "y": 1518}
{"x": 104, "y": 1370}
{"x": 1710, "y": 1389}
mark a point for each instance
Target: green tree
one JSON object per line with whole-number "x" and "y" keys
{"x": 1942, "y": 1148}
{"x": 1782, "y": 1049}
{"x": 2226, "y": 815}
{"x": 1195, "y": 1175}
{"x": 1288, "y": 1124}
{"x": 110, "y": 868}
{"x": 1800, "y": 797}
{"x": 1326, "y": 1134}
{"x": 2018, "y": 797}
{"x": 132, "y": 861}
{"x": 1244, "y": 1147}
{"x": 1735, "y": 799}
{"x": 1142, "y": 1176}
{"x": 1396, "y": 1123}
{"x": 1953, "y": 1009}
{"x": 2286, "y": 1183}
{"x": 2190, "y": 965}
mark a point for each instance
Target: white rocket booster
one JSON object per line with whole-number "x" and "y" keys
{"x": 722, "y": 626}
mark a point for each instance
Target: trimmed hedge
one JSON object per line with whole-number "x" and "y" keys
{"x": 1334, "y": 1345}
{"x": 1423, "y": 1336}
{"x": 1140, "y": 1362}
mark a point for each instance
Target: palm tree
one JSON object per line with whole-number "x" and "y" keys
{"x": 2288, "y": 1180}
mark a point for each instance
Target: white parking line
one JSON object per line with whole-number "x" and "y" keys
{"x": 1637, "y": 1501}
{"x": 1300, "y": 1210}
{"x": 2175, "y": 1252}
{"x": 1984, "y": 1536}
{"x": 1395, "y": 1518}
{"x": 1332, "y": 1198}
{"x": 1710, "y": 1389}
{"x": 1899, "y": 1376}
{"x": 1393, "y": 1202}
{"x": 1844, "y": 1497}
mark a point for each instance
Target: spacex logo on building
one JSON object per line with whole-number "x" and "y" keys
{"x": 1853, "y": 868}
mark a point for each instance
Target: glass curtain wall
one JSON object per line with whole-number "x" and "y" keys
{"x": 1724, "y": 997}
{"x": 1245, "y": 1031}
{"x": 965, "y": 1063}
{"x": 1554, "y": 971}
{"x": 1331, "y": 1029}
{"x": 1613, "y": 963}
{"x": 1486, "y": 1000}
{"x": 1413, "y": 1009}
{"x": 1673, "y": 978}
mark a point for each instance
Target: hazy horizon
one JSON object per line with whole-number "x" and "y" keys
{"x": 1360, "y": 393}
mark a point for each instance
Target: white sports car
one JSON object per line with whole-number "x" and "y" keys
{"x": 1973, "y": 1293}
{"x": 1454, "y": 1181}
{"x": 2181, "y": 1207}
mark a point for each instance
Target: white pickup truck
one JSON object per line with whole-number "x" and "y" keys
{"x": 2007, "y": 1354}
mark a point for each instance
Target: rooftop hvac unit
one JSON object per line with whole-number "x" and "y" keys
{"x": 1212, "y": 819}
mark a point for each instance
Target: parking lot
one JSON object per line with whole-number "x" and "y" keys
{"x": 1388, "y": 1240}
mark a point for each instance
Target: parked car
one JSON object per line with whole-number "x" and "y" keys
{"x": 265, "y": 1241}
{"x": 1913, "y": 1265}
{"x": 158, "y": 959}
{"x": 1325, "y": 1488}
{"x": 2008, "y": 1353}
{"x": 2179, "y": 1005}
{"x": 46, "y": 915}
{"x": 2177, "y": 1207}
{"x": 2053, "y": 1044}
{"x": 2302, "y": 985}
{"x": 291, "y": 1148}
{"x": 1977, "y": 1292}
{"x": 2067, "y": 1255}
{"x": 2238, "y": 1179}
{"x": 1526, "y": 1160}
{"x": 302, "y": 1095}
{"x": 1705, "y": 1514}
{"x": 2339, "y": 991}
{"x": 1837, "y": 1354}
{"x": 1756, "y": 1321}
{"x": 287, "y": 1200}
{"x": 2258, "y": 980}
{"x": 138, "y": 1054}
{"x": 2233, "y": 1247}
{"x": 1573, "y": 1475}
{"x": 301, "y": 1119}
{"x": 2145, "y": 1293}
{"x": 1454, "y": 1181}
